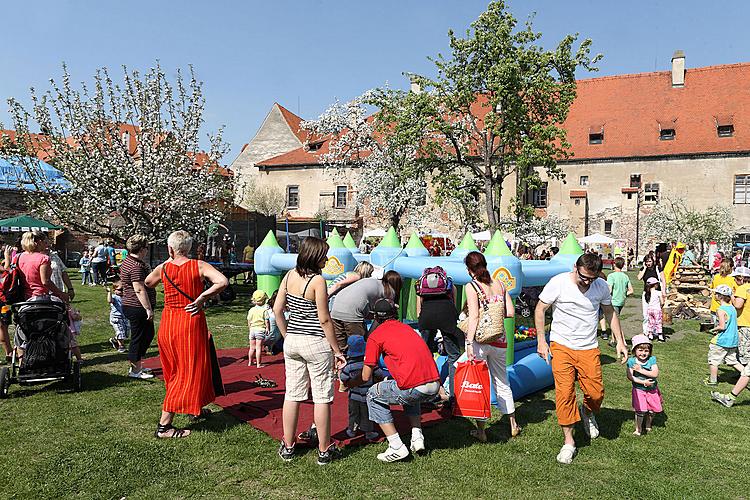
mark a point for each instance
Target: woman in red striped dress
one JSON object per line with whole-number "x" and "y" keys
{"x": 183, "y": 333}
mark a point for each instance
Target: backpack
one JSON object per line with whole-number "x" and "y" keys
{"x": 433, "y": 282}
{"x": 11, "y": 287}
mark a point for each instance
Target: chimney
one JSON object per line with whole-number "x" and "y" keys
{"x": 678, "y": 69}
{"x": 415, "y": 87}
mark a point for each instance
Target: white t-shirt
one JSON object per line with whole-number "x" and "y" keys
{"x": 575, "y": 315}
{"x": 655, "y": 300}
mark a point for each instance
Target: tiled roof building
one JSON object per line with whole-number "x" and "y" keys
{"x": 680, "y": 133}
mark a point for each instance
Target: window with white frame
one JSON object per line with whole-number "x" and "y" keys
{"x": 651, "y": 192}
{"x": 292, "y": 196}
{"x": 341, "y": 193}
{"x": 742, "y": 189}
{"x": 538, "y": 197}
{"x": 583, "y": 180}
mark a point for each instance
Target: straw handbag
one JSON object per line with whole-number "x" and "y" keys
{"x": 491, "y": 326}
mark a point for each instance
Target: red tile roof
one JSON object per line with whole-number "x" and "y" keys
{"x": 578, "y": 193}
{"x": 631, "y": 110}
{"x": 39, "y": 143}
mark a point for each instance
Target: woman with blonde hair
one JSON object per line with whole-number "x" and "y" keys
{"x": 35, "y": 266}
{"x": 184, "y": 346}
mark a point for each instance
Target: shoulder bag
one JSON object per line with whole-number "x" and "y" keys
{"x": 491, "y": 326}
{"x": 216, "y": 379}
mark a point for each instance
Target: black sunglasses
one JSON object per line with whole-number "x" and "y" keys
{"x": 584, "y": 278}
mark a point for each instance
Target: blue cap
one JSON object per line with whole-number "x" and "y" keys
{"x": 356, "y": 345}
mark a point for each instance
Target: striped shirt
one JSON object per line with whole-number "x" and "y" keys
{"x": 303, "y": 315}
{"x": 134, "y": 269}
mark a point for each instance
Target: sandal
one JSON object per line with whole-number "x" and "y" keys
{"x": 480, "y": 436}
{"x": 264, "y": 382}
{"x": 205, "y": 413}
{"x": 515, "y": 431}
{"x": 176, "y": 433}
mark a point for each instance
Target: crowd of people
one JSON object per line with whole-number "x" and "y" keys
{"x": 347, "y": 332}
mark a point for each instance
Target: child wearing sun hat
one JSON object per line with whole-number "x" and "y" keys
{"x": 258, "y": 326}
{"x": 642, "y": 371}
{"x": 723, "y": 345}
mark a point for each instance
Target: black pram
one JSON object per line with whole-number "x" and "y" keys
{"x": 42, "y": 333}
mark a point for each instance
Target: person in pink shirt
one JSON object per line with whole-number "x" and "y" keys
{"x": 34, "y": 264}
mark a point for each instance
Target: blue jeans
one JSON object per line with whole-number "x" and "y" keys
{"x": 382, "y": 395}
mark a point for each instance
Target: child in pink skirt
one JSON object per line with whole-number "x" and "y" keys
{"x": 642, "y": 372}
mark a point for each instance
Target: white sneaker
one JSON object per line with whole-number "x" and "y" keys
{"x": 567, "y": 452}
{"x": 417, "y": 444}
{"x": 590, "y": 427}
{"x": 391, "y": 455}
{"x": 141, "y": 375}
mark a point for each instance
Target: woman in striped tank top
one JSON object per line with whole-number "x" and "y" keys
{"x": 310, "y": 348}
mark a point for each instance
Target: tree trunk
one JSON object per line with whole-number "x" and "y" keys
{"x": 489, "y": 195}
{"x": 396, "y": 222}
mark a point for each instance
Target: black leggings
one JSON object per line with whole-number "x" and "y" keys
{"x": 440, "y": 314}
{"x": 141, "y": 332}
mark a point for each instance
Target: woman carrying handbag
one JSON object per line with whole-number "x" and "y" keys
{"x": 184, "y": 341}
{"x": 489, "y": 304}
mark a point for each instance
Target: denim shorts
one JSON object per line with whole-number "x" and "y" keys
{"x": 382, "y": 395}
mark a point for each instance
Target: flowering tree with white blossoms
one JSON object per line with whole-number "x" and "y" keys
{"x": 674, "y": 219}
{"x": 535, "y": 231}
{"x": 380, "y": 162}
{"x": 129, "y": 153}
{"x": 264, "y": 199}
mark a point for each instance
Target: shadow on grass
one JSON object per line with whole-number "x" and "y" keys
{"x": 90, "y": 381}
{"x": 106, "y": 359}
{"x": 606, "y": 359}
{"x": 97, "y": 347}
{"x": 219, "y": 421}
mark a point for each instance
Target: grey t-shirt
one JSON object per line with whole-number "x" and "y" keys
{"x": 353, "y": 303}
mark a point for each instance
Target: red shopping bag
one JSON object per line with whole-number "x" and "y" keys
{"x": 472, "y": 386}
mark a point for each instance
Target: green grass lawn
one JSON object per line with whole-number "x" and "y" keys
{"x": 99, "y": 443}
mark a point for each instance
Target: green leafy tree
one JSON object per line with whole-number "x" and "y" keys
{"x": 494, "y": 109}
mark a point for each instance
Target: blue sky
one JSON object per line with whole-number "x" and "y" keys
{"x": 306, "y": 54}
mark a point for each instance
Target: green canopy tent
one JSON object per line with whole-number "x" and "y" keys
{"x": 25, "y": 223}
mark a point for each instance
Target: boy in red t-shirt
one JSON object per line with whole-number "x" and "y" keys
{"x": 415, "y": 379}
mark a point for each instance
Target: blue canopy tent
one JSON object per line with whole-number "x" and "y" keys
{"x": 13, "y": 175}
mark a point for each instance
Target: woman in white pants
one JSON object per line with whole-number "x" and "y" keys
{"x": 484, "y": 289}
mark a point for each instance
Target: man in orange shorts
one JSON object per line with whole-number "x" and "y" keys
{"x": 577, "y": 297}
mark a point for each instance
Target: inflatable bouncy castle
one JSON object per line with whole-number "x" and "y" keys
{"x": 527, "y": 372}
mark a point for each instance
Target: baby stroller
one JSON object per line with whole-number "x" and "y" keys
{"x": 527, "y": 300}
{"x": 42, "y": 332}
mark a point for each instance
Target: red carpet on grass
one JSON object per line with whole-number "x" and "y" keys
{"x": 261, "y": 407}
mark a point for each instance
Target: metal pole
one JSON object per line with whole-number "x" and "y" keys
{"x": 287, "y": 233}
{"x": 586, "y": 215}
{"x": 637, "y": 224}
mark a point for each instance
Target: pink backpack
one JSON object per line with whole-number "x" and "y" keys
{"x": 434, "y": 281}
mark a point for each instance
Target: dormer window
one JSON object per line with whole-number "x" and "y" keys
{"x": 596, "y": 138}
{"x": 314, "y": 146}
{"x": 596, "y": 133}
{"x": 666, "y": 134}
{"x": 725, "y": 130}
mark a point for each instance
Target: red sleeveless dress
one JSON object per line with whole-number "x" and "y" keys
{"x": 183, "y": 343}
